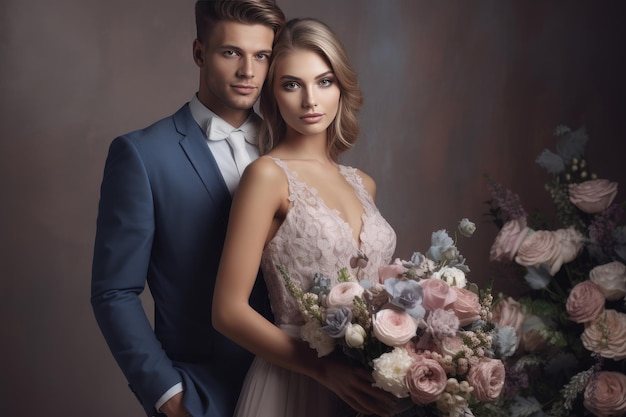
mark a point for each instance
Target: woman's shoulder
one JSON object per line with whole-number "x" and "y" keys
{"x": 265, "y": 169}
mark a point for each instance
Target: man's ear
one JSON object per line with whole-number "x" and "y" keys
{"x": 198, "y": 53}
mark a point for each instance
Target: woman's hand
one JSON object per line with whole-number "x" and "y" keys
{"x": 353, "y": 385}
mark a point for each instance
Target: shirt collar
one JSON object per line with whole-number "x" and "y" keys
{"x": 216, "y": 128}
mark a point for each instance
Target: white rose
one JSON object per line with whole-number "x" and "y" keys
{"x": 611, "y": 278}
{"x": 319, "y": 340}
{"x": 467, "y": 228}
{"x": 355, "y": 335}
{"x": 390, "y": 371}
{"x": 452, "y": 276}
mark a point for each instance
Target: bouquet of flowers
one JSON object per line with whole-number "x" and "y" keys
{"x": 571, "y": 323}
{"x": 418, "y": 325}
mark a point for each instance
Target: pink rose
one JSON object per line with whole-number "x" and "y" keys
{"x": 508, "y": 240}
{"x": 451, "y": 346}
{"x": 394, "y": 270}
{"x": 540, "y": 247}
{"x": 585, "y": 302}
{"x": 437, "y": 294}
{"x": 342, "y": 294}
{"x": 611, "y": 278}
{"x": 466, "y": 306}
{"x": 487, "y": 378}
{"x": 605, "y": 394}
{"x": 426, "y": 380}
{"x": 571, "y": 243}
{"x": 393, "y": 327}
{"x": 607, "y": 335}
{"x": 509, "y": 313}
{"x": 593, "y": 196}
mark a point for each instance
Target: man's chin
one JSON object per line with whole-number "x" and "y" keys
{"x": 245, "y": 102}
{"x": 241, "y": 99}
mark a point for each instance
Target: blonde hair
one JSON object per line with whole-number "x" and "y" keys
{"x": 313, "y": 35}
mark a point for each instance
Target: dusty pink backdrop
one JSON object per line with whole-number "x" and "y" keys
{"x": 454, "y": 89}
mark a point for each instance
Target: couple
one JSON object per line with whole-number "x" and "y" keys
{"x": 166, "y": 202}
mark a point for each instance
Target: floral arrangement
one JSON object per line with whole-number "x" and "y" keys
{"x": 571, "y": 323}
{"x": 423, "y": 330}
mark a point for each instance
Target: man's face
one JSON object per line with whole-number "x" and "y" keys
{"x": 233, "y": 65}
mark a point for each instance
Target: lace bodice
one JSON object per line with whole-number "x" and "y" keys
{"x": 313, "y": 238}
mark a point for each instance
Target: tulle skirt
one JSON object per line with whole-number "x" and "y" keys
{"x": 272, "y": 391}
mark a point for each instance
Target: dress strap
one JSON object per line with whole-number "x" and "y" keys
{"x": 352, "y": 176}
{"x": 296, "y": 187}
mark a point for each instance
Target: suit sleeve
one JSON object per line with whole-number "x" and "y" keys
{"x": 125, "y": 231}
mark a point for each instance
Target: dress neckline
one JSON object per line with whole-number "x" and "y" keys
{"x": 343, "y": 170}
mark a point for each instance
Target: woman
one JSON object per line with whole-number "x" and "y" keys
{"x": 297, "y": 207}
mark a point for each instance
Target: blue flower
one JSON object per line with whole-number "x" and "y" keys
{"x": 337, "y": 320}
{"x": 321, "y": 284}
{"x": 439, "y": 243}
{"x": 506, "y": 341}
{"x": 551, "y": 162}
{"x": 572, "y": 144}
{"x": 416, "y": 259}
{"x": 537, "y": 278}
{"x": 406, "y": 294}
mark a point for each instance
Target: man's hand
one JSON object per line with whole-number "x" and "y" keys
{"x": 174, "y": 407}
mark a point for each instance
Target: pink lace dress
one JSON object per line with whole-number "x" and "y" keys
{"x": 311, "y": 239}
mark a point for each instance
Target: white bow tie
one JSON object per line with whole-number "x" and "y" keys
{"x": 218, "y": 130}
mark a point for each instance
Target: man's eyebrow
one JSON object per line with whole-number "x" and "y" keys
{"x": 238, "y": 49}
{"x": 227, "y": 46}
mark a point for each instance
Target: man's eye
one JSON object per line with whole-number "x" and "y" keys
{"x": 262, "y": 57}
{"x": 230, "y": 53}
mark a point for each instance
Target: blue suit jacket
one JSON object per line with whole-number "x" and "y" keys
{"x": 162, "y": 218}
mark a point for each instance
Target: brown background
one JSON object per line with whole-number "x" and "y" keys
{"x": 454, "y": 89}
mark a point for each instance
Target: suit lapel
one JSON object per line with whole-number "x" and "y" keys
{"x": 195, "y": 147}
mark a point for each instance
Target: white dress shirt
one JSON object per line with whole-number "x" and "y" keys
{"x": 220, "y": 148}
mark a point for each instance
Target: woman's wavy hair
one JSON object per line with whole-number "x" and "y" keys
{"x": 312, "y": 35}
{"x": 264, "y": 12}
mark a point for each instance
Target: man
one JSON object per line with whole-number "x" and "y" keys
{"x": 163, "y": 212}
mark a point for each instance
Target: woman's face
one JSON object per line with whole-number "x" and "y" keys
{"x": 306, "y": 92}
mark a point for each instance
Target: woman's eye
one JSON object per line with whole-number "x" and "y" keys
{"x": 290, "y": 85}
{"x": 326, "y": 82}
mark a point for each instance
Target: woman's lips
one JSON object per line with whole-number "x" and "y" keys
{"x": 312, "y": 117}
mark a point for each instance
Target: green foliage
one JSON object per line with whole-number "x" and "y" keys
{"x": 343, "y": 275}
{"x": 570, "y": 392}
